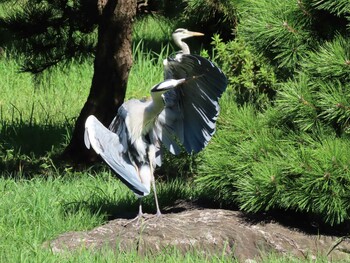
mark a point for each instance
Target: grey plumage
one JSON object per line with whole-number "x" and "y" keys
{"x": 183, "y": 109}
{"x": 191, "y": 110}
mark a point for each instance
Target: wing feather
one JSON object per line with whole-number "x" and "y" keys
{"x": 191, "y": 110}
{"x": 108, "y": 145}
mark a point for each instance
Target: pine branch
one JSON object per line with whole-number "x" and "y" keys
{"x": 331, "y": 61}
{"x": 282, "y": 33}
{"x": 339, "y": 7}
{"x": 52, "y": 32}
{"x": 304, "y": 8}
{"x": 334, "y": 103}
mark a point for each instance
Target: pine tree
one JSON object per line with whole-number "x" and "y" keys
{"x": 293, "y": 154}
{"x": 50, "y": 32}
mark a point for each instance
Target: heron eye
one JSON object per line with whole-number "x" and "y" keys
{"x": 179, "y": 30}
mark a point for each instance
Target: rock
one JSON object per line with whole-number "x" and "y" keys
{"x": 205, "y": 231}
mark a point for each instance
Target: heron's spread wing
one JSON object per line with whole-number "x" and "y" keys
{"x": 110, "y": 147}
{"x": 192, "y": 108}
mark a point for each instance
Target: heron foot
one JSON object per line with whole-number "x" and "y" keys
{"x": 157, "y": 218}
{"x": 140, "y": 218}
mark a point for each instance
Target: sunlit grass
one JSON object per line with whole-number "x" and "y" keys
{"x": 37, "y": 210}
{"x": 154, "y": 30}
{"x": 54, "y": 96}
{"x": 37, "y": 113}
{"x": 32, "y": 211}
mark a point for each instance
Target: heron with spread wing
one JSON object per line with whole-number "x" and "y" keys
{"x": 182, "y": 109}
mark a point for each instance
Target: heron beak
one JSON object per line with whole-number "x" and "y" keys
{"x": 195, "y": 34}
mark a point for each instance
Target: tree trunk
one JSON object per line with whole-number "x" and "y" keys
{"x": 111, "y": 70}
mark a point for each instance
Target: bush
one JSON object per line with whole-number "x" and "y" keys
{"x": 254, "y": 163}
{"x": 211, "y": 16}
{"x": 252, "y": 80}
{"x": 294, "y": 154}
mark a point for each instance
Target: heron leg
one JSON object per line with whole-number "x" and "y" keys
{"x": 139, "y": 216}
{"x": 156, "y": 198}
{"x": 152, "y": 157}
{"x": 140, "y": 209}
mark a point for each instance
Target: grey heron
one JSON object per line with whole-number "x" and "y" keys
{"x": 182, "y": 110}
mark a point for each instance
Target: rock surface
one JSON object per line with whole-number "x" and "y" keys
{"x": 206, "y": 231}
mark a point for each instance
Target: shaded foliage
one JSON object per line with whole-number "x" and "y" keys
{"x": 48, "y": 32}
{"x": 251, "y": 79}
{"x": 212, "y": 16}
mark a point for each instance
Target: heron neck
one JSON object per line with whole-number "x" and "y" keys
{"x": 184, "y": 47}
{"x": 157, "y": 104}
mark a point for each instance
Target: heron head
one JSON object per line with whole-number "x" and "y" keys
{"x": 182, "y": 33}
{"x": 166, "y": 85}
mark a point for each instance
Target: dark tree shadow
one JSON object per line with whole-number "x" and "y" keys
{"x": 171, "y": 197}
{"x": 305, "y": 222}
{"x": 124, "y": 208}
{"x": 32, "y": 138}
{"x": 172, "y": 201}
{"x": 24, "y": 147}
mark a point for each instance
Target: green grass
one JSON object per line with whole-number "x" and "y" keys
{"x": 33, "y": 211}
{"x": 42, "y": 107}
{"x": 36, "y": 210}
{"x": 154, "y": 30}
{"x": 146, "y": 71}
